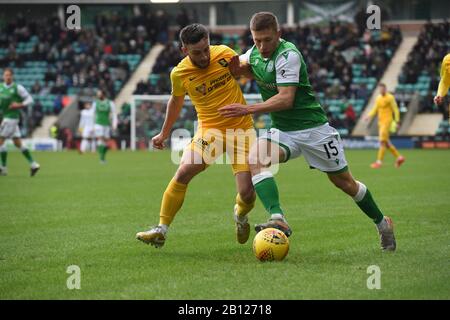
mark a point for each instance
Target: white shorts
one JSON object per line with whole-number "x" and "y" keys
{"x": 9, "y": 128}
{"x": 102, "y": 131}
{"x": 321, "y": 146}
{"x": 88, "y": 132}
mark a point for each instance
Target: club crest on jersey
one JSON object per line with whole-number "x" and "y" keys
{"x": 269, "y": 67}
{"x": 201, "y": 88}
{"x": 223, "y": 62}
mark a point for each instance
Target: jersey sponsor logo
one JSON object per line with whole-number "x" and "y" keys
{"x": 201, "y": 88}
{"x": 223, "y": 62}
{"x": 202, "y": 144}
{"x": 285, "y": 54}
{"x": 270, "y": 66}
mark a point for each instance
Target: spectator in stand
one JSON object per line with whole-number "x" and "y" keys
{"x": 350, "y": 117}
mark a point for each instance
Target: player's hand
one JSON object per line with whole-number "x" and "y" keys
{"x": 437, "y": 100}
{"x": 394, "y": 127}
{"x": 15, "y": 105}
{"x": 158, "y": 141}
{"x": 234, "y": 110}
{"x": 235, "y": 67}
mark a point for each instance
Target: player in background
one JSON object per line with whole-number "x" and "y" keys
{"x": 444, "y": 84}
{"x": 299, "y": 126}
{"x": 86, "y": 128}
{"x": 13, "y": 97}
{"x": 204, "y": 75}
{"x": 105, "y": 115}
{"x": 388, "y": 118}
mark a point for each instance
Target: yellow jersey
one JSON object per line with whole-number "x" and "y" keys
{"x": 444, "y": 84}
{"x": 386, "y": 108}
{"x": 210, "y": 89}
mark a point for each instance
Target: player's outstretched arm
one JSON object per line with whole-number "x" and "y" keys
{"x": 174, "y": 106}
{"x": 282, "y": 101}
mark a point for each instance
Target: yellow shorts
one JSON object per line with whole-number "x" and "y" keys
{"x": 212, "y": 144}
{"x": 383, "y": 131}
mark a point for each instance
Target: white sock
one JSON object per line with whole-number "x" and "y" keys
{"x": 164, "y": 228}
{"x": 362, "y": 189}
{"x": 382, "y": 225}
{"x": 83, "y": 146}
{"x": 241, "y": 219}
{"x": 277, "y": 216}
{"x": 261, "y": 176}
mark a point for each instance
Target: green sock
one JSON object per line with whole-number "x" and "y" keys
{"x": 102, "y": 151}
{"x": 26, "y": 153}
{"x": 4, "y": 156}
{"x": 105, "y": 149}
{"x": 267, "y": 192}
{"x": 370, "y": 208}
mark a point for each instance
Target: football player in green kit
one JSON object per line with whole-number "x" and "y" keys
{"x": 105, "y": 115}
{"x": 299, "y": 126}
{"x": 13, "y": 97}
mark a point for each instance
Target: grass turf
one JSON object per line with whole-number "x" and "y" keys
{"x": 78, "y": 212}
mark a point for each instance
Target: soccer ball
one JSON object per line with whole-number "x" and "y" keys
{"x": 270, "y": 244}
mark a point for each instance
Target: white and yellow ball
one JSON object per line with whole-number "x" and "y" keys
{"x": 270, "y": 245}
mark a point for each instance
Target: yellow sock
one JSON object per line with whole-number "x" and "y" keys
{"x": 242, "y": 207}
{"x": 394, "y": 151}
{"x": 381, "y": 153}
{"x": 172, "y": 201}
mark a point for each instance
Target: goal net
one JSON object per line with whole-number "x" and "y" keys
{"x": 148, "y": 113}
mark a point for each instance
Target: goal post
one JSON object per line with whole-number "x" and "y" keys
{"x": 147, "y": 113}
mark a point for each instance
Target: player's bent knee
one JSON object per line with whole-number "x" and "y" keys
{"x": 17, "y": 143}
{"x": 186, "y": 172}
{"x": 255, "y": 163}
{"x": 247, "y": 194}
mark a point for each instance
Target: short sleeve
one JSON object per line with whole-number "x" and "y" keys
{"x": 229, "y": 51}
{"x": 177, "y": 85}
{"x": 287, "y": 66}
{"x": 245, "y": 58}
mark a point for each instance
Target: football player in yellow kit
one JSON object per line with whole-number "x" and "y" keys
{"x": 444, "y": 84}
{"x": 205, "y": 76}
{"x": 388, "y": 118}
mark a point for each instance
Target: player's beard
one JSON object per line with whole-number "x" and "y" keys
{"x": 200, "y": 65}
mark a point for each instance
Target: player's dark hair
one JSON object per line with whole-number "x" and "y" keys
{"x": 193, "y": 33}
{"x": 382, "y": 85}
{"x": 8, "y": 69}
{"x": 263, "y": 21}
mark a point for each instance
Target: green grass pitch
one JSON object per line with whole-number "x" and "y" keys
{"x": 78, "y": 212}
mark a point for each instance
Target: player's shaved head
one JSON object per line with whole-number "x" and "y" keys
{"x": 193, "y": 33}
{"x": 263, "y": 21}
